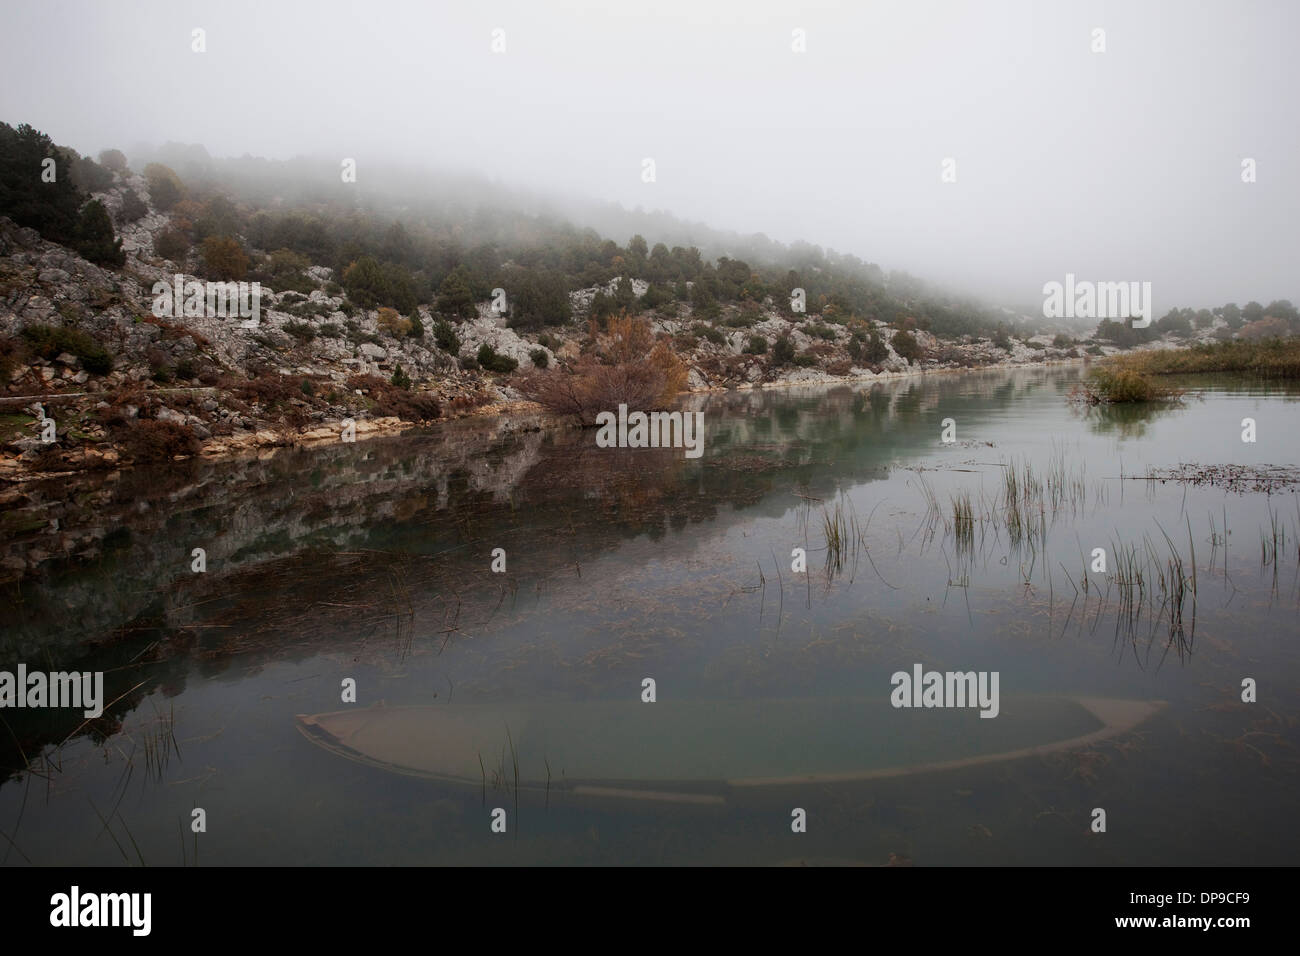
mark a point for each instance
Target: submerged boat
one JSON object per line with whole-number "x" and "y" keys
{"x": 702, "y": 751}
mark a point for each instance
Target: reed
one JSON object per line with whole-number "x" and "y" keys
{"x": 963, "y": 522}
{"x": 1275, "y": 358}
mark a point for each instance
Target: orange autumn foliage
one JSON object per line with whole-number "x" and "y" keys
{"x": 622, "y": 364}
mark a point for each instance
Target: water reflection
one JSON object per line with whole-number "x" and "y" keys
{"x": 372, "y": 562}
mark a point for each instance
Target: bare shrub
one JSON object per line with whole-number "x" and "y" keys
{"x": 622, "y": 365}
{"x": 153, "y": 440}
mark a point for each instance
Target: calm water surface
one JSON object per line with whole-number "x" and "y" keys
{"x": 371, "y": 561}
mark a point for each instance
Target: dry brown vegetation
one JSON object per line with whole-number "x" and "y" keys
{"x": 1273, "y": 358}
{"x": 390, "y": 399}
{"x": 152, "y": 440}
{"x": 392, "y": 322}
{"x": 271, "y": 391}
{"x": 621, "y": 364}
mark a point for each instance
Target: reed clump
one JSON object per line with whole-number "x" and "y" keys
{"x": 1274, "y": 358}
{"x": 1109, "y": 384}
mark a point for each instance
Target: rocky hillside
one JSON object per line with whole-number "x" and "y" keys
{"x": 81, "y": 346}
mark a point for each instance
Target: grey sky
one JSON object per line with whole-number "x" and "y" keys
{"x": 1114, "y": 166}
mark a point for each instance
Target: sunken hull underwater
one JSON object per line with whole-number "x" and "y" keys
{"x": 706, "y": 752}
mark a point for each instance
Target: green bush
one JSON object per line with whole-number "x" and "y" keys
{"x": 711, "y": 310}
{"x": 539, "y": 357}
{"x": 716, "y": 336}
{"x": 757, "y": 345}
{"x": 490, "y": 361}
{"x": 94, "y": 238}
{"x": 783, "y": 351}
{"x": 538, "y": 298}
{"x": 172, "y": 244}
{"x": 455, "y": 297}
{"x": 869, "y": 348}
{"x": 906, "y": 346}
{"x": 359, "y": 336}
{"x": 805, "y": 360}
{"x": 446, "y": 338}
{"x": 165, "y": 188}
{"x": 302, "y": 331}
{"x": 47, "y": 341}
{"x": 133, "y": 207}
{"x": 400, "y": 378}
{"x": 88, "y": 175}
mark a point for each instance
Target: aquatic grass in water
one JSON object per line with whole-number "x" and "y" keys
{"x": 843, "y": 537}
{"x": 963, "y": 523}
{"x": 835, "y": 531}
{"x": 1154, "y": 584}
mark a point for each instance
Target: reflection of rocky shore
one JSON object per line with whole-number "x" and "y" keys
{"x": 83, "y": 559}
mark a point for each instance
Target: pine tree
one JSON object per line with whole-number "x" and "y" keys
{"x": 26, "y": 195}
{"x": 94, "y": 236}
{"x": 455, "y": 298}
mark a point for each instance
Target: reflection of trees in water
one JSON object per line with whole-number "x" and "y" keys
{"x": 334, "y": 549}
{"x": 140, "y": 662}
{"x": 1127, "y": 420}
{"x": 124, "y": 549}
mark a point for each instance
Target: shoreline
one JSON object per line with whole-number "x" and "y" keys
{"x": 14, "y": 471}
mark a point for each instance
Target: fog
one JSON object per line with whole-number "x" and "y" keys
{"x": 1117, "y": 165}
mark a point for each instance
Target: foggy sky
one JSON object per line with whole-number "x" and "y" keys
{"x": 1122, "y": 165}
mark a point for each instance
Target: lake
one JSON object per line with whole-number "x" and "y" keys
{"x": 373, "y": 562}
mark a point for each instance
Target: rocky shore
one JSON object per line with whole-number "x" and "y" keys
{"x": 93, "y": 377}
